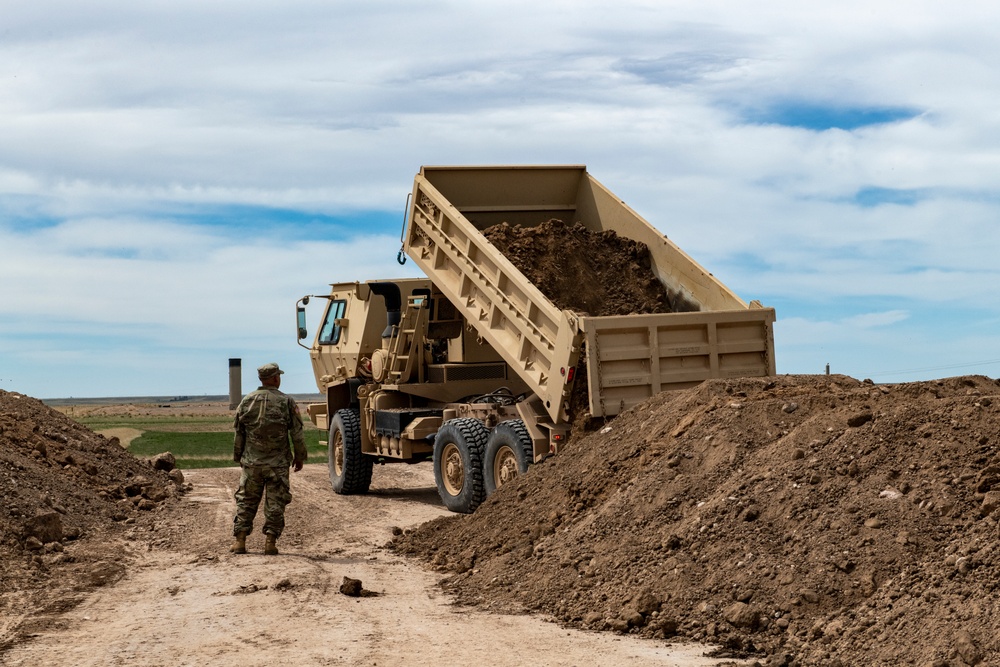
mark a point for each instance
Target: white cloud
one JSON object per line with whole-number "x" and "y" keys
{"x": 873, "y": 320}
{"x": 182, "y": 280}
{"x": 116, "y": 117}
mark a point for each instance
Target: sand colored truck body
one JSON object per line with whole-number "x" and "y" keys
{"x": 475, "y": 367}
{"x": 712, "y": 333}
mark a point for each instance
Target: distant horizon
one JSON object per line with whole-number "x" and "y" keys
{"x": 179, "y": 399}
{"x": 317, "y": 396}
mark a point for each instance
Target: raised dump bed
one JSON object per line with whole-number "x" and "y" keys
{"x": 711, "y": 333}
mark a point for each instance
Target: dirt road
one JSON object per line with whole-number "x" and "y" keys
{"x": 187, "y": 601}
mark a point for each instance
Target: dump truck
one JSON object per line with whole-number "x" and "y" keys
{"x": 473, "y": 367}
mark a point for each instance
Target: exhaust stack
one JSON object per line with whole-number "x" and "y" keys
{"x": 235, "y": 383}
{"x": 393, "y": 306}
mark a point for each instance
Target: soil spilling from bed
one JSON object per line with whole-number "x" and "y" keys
{"x": 592, "y": 273}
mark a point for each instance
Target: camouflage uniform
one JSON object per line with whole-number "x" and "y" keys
{"x": 264, "y": 421}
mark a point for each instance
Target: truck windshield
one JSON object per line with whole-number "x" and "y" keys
{"x": 330, "y": 332}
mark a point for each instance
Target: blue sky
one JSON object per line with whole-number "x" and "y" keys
{"x": 173, "y": 176}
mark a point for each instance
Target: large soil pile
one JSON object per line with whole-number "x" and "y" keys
{"x": 815, "y": 520}
{"x": 581, "y": 270}
{"x": 65, "y": 491}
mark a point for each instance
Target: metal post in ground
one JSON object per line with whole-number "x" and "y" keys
{"x": 235, "y": 383}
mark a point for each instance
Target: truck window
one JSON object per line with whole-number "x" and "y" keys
{"x": 330, "y": 332}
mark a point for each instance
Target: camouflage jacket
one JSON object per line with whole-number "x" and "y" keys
{"x": 264, "y": 421}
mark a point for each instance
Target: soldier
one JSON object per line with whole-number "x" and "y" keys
{"x": 265, "y": 419}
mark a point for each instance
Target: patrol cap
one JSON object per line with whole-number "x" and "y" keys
{"x": 268, "y": 371}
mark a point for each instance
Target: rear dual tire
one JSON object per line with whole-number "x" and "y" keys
{"x": 509, "y": 452}
{"x": 471, "y": 462}
{"x": 458, "y": 464}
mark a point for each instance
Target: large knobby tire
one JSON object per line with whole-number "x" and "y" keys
{"x": 350, "y": 470}
{"x": 509, "y": 452}
{"x": 458, "y": 464}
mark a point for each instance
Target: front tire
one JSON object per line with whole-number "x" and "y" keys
{"x": 350, "y": 470}
{"x": 458, "y": 464}
{"x": 509, "y": 452}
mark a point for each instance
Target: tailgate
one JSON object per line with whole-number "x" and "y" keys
{"x": 633, "y": 357}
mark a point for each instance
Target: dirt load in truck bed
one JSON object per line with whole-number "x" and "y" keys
{"x": 817, "y": 520}
{"x": 598, "y": 273}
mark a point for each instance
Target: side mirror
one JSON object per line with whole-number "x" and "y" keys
{"x": 300, "y": 312}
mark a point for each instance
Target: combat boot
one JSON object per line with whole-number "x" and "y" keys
{"x": 239, "y": 544}
{"x": 270, "y": 548}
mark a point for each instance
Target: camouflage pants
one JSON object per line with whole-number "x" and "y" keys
{"x": 265, "y": 482}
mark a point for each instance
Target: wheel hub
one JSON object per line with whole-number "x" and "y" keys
{"x": 454, "y": 471}
{"x": 504, "y": 467}
{"x": 338, "y": 455}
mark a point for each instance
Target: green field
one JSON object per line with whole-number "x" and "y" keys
{"x": 196, "y": 441}
{"x": 208, "y": 450}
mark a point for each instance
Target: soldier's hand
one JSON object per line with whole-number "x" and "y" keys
{"x": 297, "y": 465}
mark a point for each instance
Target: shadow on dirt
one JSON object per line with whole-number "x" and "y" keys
{"x": 427, "y": 495}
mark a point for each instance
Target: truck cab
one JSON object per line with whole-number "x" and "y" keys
{"x": 395, "y": 361}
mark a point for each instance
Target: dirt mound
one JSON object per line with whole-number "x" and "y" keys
{"x": 589, "y": 272}
{"x": 815, "y": 520}
{"x": 64, "y": 488}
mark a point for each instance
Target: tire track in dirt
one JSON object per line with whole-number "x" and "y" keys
{"x": 190, "y": 602}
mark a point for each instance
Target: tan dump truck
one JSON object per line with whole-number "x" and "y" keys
{"x": 473, "y": 367}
